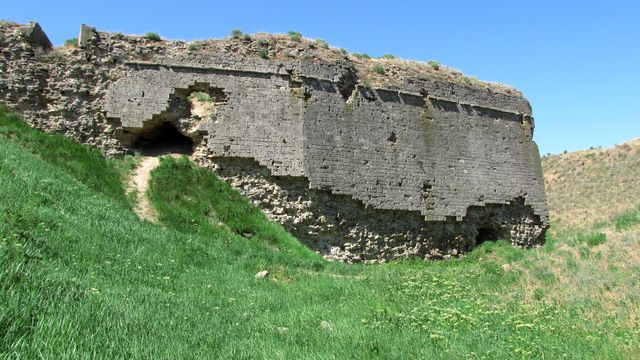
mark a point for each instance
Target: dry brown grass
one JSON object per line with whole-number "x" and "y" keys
{"x": 591, "y": 186}
{"x": 396, "y": 69}
{"x": 583, "y": 189}
{"x": 281, "y": 47}
{"x": 605, "y": 274}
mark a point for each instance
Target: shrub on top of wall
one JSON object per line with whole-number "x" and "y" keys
{"x": 294, "y": 35}
{"x": 73, "y": 42}
{"x": 152, "y": 36}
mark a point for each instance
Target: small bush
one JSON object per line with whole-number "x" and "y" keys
{"x": 294, "y": 35}
{"x": 118, "y": 35}
{"x": 344, "y": 51}
{"x": 263, "y": 53}
{"x": 236, "y": 33}
{"x": 200, "y": 96}
{"x": 378, "y": 69}
{"x": 388, "y": 56}
{"x": 73, "y": 42}
{"x": 263, "y": 41}
{"x": 192, "y": 47}
{"x": 322, "y": 43}
{"x": 246, "y": 37}
{"x": 361, "y": 56}
{"x": 152, "y": 36}
{"x": 434, "y": 64}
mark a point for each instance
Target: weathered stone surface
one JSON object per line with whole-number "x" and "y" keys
{"x": 87, "y": 36}
{"x": 415, "y": 165}
{"x": 34, "y": 34}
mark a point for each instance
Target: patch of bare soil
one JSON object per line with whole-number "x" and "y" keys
{"x": 139, "y": 183}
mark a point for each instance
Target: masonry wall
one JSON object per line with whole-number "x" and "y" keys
{"x": 424, "y": 167}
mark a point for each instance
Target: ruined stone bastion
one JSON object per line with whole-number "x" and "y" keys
{"x": 359, "y": 165}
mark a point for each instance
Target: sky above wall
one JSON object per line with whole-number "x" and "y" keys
{"x": 578, "y": 62}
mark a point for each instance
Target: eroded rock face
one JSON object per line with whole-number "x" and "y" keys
{"x": 415, "y": 165}
{"x": 342, "y": 228}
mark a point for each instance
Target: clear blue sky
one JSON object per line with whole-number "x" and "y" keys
{"x": 578, "y": 62}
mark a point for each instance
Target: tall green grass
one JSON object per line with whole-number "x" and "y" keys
{"x": 82, "y": 277}
{"x": 83, "y": 163}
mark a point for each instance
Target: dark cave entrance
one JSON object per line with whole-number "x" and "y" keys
{"x": 163, "y": 138}
{"x": 487, "y": 233}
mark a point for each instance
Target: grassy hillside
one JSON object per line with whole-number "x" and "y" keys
{"x": 591, "y": 186}
{"x": 82, "y": 277}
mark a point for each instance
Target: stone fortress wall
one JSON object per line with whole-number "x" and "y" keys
{"x": 416, "y": 165}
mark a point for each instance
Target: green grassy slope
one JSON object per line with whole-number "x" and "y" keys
{"x": 82, "y": 277}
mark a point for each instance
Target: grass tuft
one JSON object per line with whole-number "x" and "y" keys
{"x": 323, "y": 44}
{"x": 361, "y": 56}
{"x": 152, "y": 36}
{"x": 627, "y": 219}
{"x": 200, "y": 96}
{"x": 378, "y": 69}
{"x": 294, "y": 35}
{"x": 236, "y": 33}
{"x": 73, "y": 42}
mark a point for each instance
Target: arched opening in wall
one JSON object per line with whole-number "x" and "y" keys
{"x": 163, "y": 138}
{"x": 181, "y": 126}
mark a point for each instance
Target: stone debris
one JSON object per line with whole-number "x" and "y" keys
{"x": 262, "y": 274}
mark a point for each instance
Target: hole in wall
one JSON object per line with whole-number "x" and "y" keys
{"x": 180, "y": 125}
{"x": 392, "y": 138}
{"x": 487, "y": 234}
{"x": 163, "y": 138}
{"x": 202, "y": 100}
